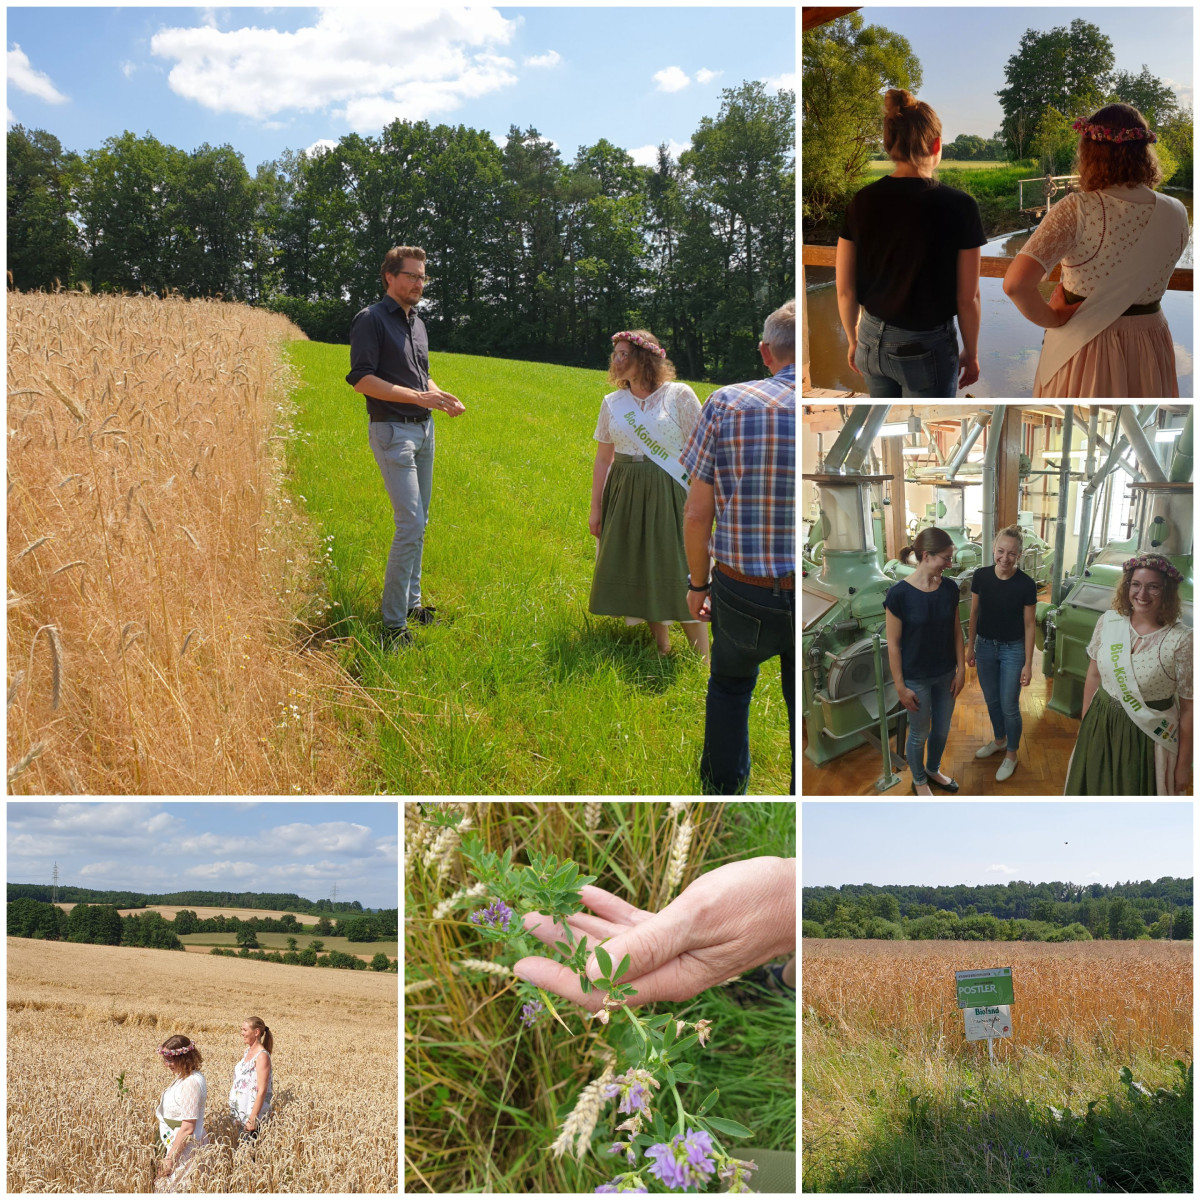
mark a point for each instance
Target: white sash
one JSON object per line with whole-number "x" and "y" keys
{"x": 1116, "y": 673}
{"x": 1120, "y": 289}
{"x": 659, "y": 438}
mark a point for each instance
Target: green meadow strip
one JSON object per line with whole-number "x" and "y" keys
{"x": 518, "y": 690}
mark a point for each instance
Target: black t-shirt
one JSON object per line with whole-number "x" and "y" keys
{"x": 907, "y": 234}
{"x": 1002, "y": 602}
{"x": 930, "y": 621}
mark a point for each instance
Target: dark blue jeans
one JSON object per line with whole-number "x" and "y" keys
{"x": 907, "y": 362}
{"x": 1000, "y": 665}
{"x": 929, "y": 724}
{"x": 750, "y": 625}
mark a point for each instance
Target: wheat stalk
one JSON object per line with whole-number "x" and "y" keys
{"x": 56, "y": 656}
{"x": 679, "y": 854}
{"x": 581, "y": 1123}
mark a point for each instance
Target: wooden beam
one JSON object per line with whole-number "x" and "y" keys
{"x": 895, "y": 523}
{"x": 806, "y": 369}
{"x": 1008, "y": 462}
{"x": 822, "y": 16}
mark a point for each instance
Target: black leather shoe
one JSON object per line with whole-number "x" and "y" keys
{"x": 392, "y": 637}
{"x": 421, "y": 615}
{"x": 952, "y": 786}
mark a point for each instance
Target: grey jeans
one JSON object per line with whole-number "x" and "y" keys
{"x": 404, "y": 452}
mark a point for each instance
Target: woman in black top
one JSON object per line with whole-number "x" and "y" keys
{"x": 1003, "y": 603}
{"x": 909, "y": 255}
{"x": 925, "y": 653}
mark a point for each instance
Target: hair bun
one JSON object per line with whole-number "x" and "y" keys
{"x": 897, "y": 101}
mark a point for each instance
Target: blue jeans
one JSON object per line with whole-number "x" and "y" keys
{"x": 930, "y": 723}
{"x": 404, "y": 452}
{"x": 1000, "y": 665}
{"x": 907, "y": 362}
{"x": 750, "y": 625}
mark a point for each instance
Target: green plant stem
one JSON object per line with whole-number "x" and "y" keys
{"x": 636, "y": 1024}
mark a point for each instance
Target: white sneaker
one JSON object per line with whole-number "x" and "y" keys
{"x": 1007, "y": 767}
{"x": 990, "y": 749}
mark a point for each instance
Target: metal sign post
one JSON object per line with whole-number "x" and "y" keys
{"x": 985, "y": 997}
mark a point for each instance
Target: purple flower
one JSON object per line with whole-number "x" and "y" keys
{"x": 497, "y": 916}
{"x": 531, "y": 1012}
{"x": 629, "y": 1182}
{"x": 735, "y": 1173}
{"x": 634, "y": 1089}
{"x": 683, "y": 1161}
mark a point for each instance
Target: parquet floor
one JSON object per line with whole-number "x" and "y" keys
{"x": 1047, "y": 739}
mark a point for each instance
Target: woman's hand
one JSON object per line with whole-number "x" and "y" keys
{"x": 908, "y": 698}
{"x": 1058, "y": 304}
{"x": 971, "y": 655}
{"x": 850, "y": 353}
{"x": 594, "y": 522}
{"x": 968, "y": 365}
{"x": 251, "y": 1124}
{"x": 1026, "y": 675}
{"x": 959, "y": 681}
{"x": 1183, "y": 778}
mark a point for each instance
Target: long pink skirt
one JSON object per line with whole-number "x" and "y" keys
{"x": 1134, "y": 356}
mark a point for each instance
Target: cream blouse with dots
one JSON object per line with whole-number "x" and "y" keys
{"x": 1095, "y": 230}
{"x": 1162, "y": 660}
{"x": 673, "y": 401}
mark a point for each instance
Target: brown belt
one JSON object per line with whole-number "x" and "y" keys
{"x": 787, "y": 583}
{"x": 1134, "y": 310}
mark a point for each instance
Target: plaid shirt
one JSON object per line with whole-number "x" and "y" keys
{"x": 745, "y": 445}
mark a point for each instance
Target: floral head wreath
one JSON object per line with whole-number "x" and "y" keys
{"x": 1154, "y": 562}
{"x": 638, "y": 340}
{"x": 1104, "y": 133}
{"x": 175, "y": 1053}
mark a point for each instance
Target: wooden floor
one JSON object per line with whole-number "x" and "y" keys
{"x": 1047, "y": 739}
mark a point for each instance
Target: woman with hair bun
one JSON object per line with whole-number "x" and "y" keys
{"x": 180, "y": 1114}
{"x": 253, "y": 1079}
{"x": 1118, "y": 241}
{"x": 908, "y": 255}
{"x": 925, "y": 654}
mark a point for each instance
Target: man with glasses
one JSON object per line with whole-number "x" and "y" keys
{"x": 389, "y": 365}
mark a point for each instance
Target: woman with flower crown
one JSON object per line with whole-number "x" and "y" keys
{"x": 1135, "y": 738}
{"x": 180, "y": 1115}
{"x": 1118, "y": 242}
{"x": 638, "y": 491}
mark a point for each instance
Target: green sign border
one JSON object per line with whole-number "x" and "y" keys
{"x": 1000, "y": 976}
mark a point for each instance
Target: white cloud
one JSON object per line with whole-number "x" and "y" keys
{"x": 671, "y": 79}
{"x": 320, "y": 146}
{"x": 25, "y": 78}
{"x": 647, "y": 156}
{"x": 102, "y": 869}
{"x": 416, "y": 62}
{"x": 128, "y": 68}
{"x": 332, "y": 837}
{"x": 779, "y": 83}
{"x": 1001, "y": 869}
{"x": 704, "y": 75}
{"x": 224, "y": 870}
{"x": 550, "y": 59}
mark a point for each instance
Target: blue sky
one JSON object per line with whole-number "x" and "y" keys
{"x": 269, "y": 79}
{"x": 963, "y": 51}
{"x": 252, "y": 846}
{"x": 956, "y": 841}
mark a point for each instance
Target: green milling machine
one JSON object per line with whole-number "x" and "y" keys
{"x": 1164, "y": 526}
{"x": 947, "y": 513}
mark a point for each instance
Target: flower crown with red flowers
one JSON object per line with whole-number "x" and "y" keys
{"x": 1154, "y": 562}
{"x": 175, "y": 1053}
{"x": 637, "y": 339}
{"x": 1104, "y": 133}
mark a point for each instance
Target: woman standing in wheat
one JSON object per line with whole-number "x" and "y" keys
{"x": 180, "y": 1114}
{"x": 253, "y": 1079}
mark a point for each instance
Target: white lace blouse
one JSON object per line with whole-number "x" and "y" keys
{"x": 1094, "y": 230}
{"x": 674, "y": 401}
{"x": 1162, "y": 660}
{"x": 184, "y": 1100}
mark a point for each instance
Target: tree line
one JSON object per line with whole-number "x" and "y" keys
{"x": 530, "y": 256}
{"x": 285, "y": 901}
{"x": 1018, "y": 911}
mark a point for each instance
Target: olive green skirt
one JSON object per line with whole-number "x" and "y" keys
{"x": 1112, "y": 756}
{"x": 641, "y": 567}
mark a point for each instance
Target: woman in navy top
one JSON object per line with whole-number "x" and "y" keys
{"x": 925, "y": 653}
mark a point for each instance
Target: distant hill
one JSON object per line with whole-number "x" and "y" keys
{"x": 278, "y": 901}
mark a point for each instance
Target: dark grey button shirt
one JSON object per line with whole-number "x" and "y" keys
{"x": 384, "y": 342}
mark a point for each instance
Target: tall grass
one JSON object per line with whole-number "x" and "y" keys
{"x": 519, "y": 690}
{"x": 484, "y": 1098}
{"x": 157, "y": 568}
{"x": 897, "y": 1100}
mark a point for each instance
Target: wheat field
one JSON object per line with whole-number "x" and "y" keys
{"x": 162, "y": 582}
{"x": 80, "y": 1016}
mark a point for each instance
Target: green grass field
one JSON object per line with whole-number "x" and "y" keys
{"x": 278, "y": 941}
{"x": 518, "y": 690}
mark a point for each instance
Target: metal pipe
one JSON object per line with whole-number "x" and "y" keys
{"x": 845, "y": 439}
{"x": 933, "y": 444}
{"x": 989, "y": 482}
{"x": 1181, "y": 464}
{"x": 959, "y": 456}
{"x": 857, "y": 453}
{"x": 1087, "y": 496}
{"x": 888, "y": 778}
{"x": 1147, "y": 460}
{"x": 1060, "y": 525}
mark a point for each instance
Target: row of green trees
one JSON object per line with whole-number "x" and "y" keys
{"x": 287, "y": 901}
{"x": 364, "y": 927}
{"x": 529, "y": 256}
{"x": 310, "y": 957}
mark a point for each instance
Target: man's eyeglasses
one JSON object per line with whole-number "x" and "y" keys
{"x": 414, "y": 275}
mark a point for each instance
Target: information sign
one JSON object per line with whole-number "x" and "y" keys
{"x": 987, "y": 987}
{"x": 991, "y": 1022}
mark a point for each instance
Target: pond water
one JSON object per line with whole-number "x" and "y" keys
{"x": 1009, "y": 345}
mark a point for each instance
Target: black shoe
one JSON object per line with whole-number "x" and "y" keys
{"x": 423, "y": 615}
{"x": 952, "y": 786}
{"x": 393, "y": 637}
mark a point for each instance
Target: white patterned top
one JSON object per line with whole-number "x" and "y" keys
{"x": 1094, "y": 230}
{"x": 675, "y": 402}
{"x": 1162, "y": 660}
{"x": 245, "y": 1090}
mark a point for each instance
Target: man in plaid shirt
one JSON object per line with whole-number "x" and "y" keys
{"x": 742, "y": 463}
